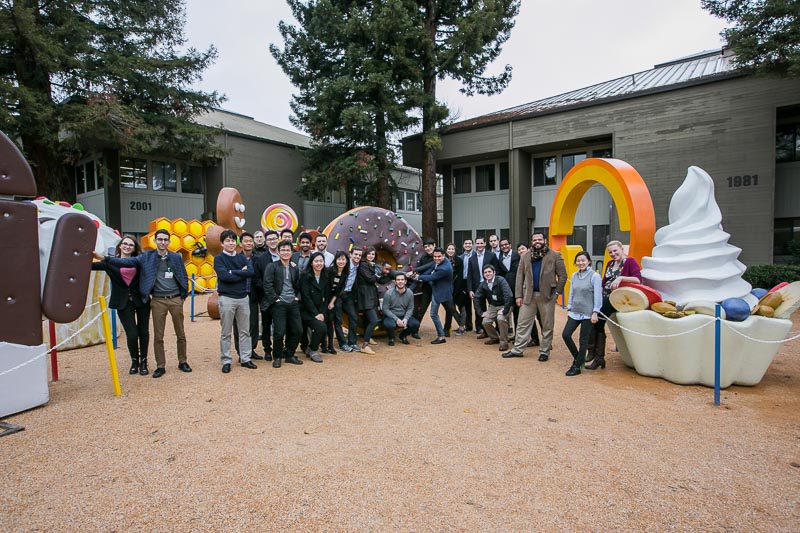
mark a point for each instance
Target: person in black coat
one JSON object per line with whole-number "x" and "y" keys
{"x": 260, "y": 266}
{"x": 507, "y": 269}
{"x": 132, "y": 308}
{"x": 460, "y": 296}
{"x": 282, "y": 299}
{"x": 368, "y": 296}
{"x": 423, "y": 266}
{"x": 337, "y": 278}
{"x": 314, "y": 287}
{"x": 479, "y": 259}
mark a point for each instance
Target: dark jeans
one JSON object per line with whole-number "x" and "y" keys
{"x": 317, "y": 330}
{"x": 287, "y": 326}
{"x": 464, "y": 308}
{"x": 136, "y": 323}
{"x": 424, "y": 302}
{"x": 391, "y": 326}
{"x": 578, "y": 354}
{"x": 254, "y": 307}
{"x": 450, "y": 313}
{"x": 266, "y": 330}
{"x": 333, "y": 321}
{"x": 349, "y": 302}
{"x": 370, "y": 320}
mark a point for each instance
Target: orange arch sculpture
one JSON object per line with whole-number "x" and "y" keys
{"x": 628, "y": 191}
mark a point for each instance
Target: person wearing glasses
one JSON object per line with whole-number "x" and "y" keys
{"x": 132, "y": 308}
{"x": 260, "y": 264}
{"x": 163, "y": 279}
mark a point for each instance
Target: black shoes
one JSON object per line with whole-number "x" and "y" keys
{"x": 439, "y": 340}
{"x": 509, "y": 355}
{"x": 293, "y": 360}
{"x": 255, "y": 356}
{"x": 415, "y": 335}
{"x": 276, "y": 363}
{"x": 543, "y": 357}
{"x": 331, "y": 350}
{"x": 226, "y": 368}
{"x": 143, "y": 367}
{"x": 573, "y": 371}
{"x": 404, "y": 340}
{"x": 249, "y": 365}
{"x": 159, "y": 372}
{"x": 391, "y": 342}
{"x": 134, "y": 366}
{"x": 267, "y": 356}
{"x": 599, "y": 362}
{"x": 184, "y": 367}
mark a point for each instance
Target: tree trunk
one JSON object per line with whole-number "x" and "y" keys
{"x": 429, "y": 134}
{"x": 383, "y": 199}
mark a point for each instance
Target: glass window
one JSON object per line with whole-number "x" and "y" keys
{"x": 787, "y": 237}
{"x": 133, "y": 173}
{"x": 505, "y": 233}
{"x": 578, "y": 236}
{"x": 80, "y": 179}
{"x": 544, "y": 171}
{"x": 603, "y": 152}
{"x": 787, "y": 144}
{"x": 544, "y": 230}
{"x": 601, "y": 235}
{"x": 484, "y": 178}
{"x": 462, "y": 180}
{"x": 459, "y": 236}
{"x": 504, "y": 176}
{"x": 165, "y": 176}
{"x": 418, "y": 198}
{"x": 484, "y": 233}
{"x": 569, "y": 161}
{"x": 192, "y": 180}
{"x": 91, "y": 178}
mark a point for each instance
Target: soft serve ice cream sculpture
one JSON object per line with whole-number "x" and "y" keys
{"x": 692, "y": 259}
{"x": 693, "y": 262}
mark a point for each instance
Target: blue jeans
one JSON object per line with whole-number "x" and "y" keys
{"x": 448, "y": 307}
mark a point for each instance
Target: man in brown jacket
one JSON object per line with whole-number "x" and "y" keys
{"x": 540, "y": 278}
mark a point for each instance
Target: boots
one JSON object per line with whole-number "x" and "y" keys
{"x": 599, "y": 352}
{"x": 134, "y": 366}
{"x": 143, "y": 365}
{"x": 591, "y": 345}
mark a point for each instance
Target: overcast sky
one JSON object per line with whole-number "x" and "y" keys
{"x": 555, "y": 47}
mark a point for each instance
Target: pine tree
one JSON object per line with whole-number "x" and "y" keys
{"x": 355, "y": 66}
{"x": 765, "y": 37}
{"x": 80, "y": 74}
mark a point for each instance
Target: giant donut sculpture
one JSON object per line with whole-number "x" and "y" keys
{"x": 395, "y": 241}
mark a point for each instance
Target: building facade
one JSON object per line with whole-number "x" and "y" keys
{"x": 501, "y": 170}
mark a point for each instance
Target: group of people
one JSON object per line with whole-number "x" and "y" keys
{"x": 303, "y": 297}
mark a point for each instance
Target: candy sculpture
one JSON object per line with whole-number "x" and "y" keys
{"x": 279, "y": 217}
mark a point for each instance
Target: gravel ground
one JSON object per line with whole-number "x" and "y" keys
{"x": 418, "y": 437}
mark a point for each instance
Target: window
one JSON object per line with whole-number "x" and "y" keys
{"x": 603, "y": 152}
{"x": 192, "y": 180}
{"x": 91, "y": 178}
{"x": 133, "y": 173}
{"x": 484, "y": 234}
{"x": 544, "y": 231}
{"x": 165, "y": 176}
{"x": 505, "y": 233}
{"x": 484, "y": 178}
{"x": 787, "y": 143}
{"x": 544, "y": 171}
{"x": 462, "y": 180}
{"x": 408, "y": 201}
{"x": 787, "y": 239}
{"x": 601, "y": 235}
{"x": 459, "y": 236}
{"x": 504, "y": 176}
{"x": 578, "y": 236}
{"x": 80, "y": 179}
{"x": 570, "y": 160}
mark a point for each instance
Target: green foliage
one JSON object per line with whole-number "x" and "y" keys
{"x": 767, "y": 276}
{"x": 88, "y": 74}
{"x": 354, "y": 65}
{"x": 765, "y": 36}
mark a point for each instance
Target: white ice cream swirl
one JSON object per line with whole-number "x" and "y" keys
{"x": 692, "y": 259}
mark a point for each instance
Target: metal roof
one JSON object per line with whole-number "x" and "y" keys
{"x": 243, "y": 125}
{"x": 698, "y": 68}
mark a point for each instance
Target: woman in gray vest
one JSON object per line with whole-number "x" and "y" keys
{"x": 585, "y": 301}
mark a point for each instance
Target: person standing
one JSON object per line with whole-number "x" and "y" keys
{"x": 495, "y": 301}
{"x": 162, "y": 278}
{"x": 620, "y": 268}
{"x": 313, "y": 294}
{"x": 494, "y": 245}
{"x": 260, "y": 243}
{"x": 368, "y": 297}
{"x": 441, "y": 280}
{"x": 423, "y": 265}
{"x": 338, "y": 273}
{"x": 466, "y": 309}
{"x": 282, "y": 298}
{"x": 460, "y": 296}
{"x": 509, "y": 263}
{"x": 321, "y": 243}
{"x": 479, "y": 259}
{"x": 133, "y": 309}
{"x": 260, "y": 267}
{"x": 350, "y": 299}
{"x": 248, "y": 251}
{"x": 540, "y": 278}
{"x": 303, "y": 254}
{"x": 398, "y": 310}
{"x": 233, "y": 275}
{"x": 585, "y": 301}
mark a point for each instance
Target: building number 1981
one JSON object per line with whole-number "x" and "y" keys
{"x": 743, "y": 181}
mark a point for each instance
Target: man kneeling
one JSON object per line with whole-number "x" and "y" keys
{"x": 398, "y": 306}
{"x": 496, "y": 291}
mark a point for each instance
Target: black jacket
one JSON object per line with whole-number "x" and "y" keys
{"x": 273, "y": 283}
{"x": 510, "y": 274}
{"x": 120, "y": 292}
{"x": 260, "y": 263}
{"x": 459, "y": 283}
{"x": 367, "y": 288}
{"x": 499, "y": 294}
{"x": 313, "y": 295}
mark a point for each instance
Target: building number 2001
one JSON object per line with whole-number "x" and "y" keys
{"x": 141, "y": 206}
{"x": 743, "y": 181}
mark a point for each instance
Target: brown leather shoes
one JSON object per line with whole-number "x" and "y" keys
{"x": 503, "y": 347}
{"x": 492, "y": 341}
{"x": 482, "y": 335}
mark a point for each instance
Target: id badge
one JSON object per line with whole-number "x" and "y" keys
{"x": 168, "y": 274}
{"x": 494, "y": 297}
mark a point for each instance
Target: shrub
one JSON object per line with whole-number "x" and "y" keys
{"x": 767, "y": 276}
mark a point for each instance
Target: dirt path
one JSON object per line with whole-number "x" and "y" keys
{"x": 418, "y": 437}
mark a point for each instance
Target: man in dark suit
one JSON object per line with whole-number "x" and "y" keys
{"x": 282, "y": 299}
{"x": 479, "y": 259}
{"x": 260, "y": 266}
{"x": 466, "y": 310}
{"x": 509, "y": 262}
{"x": 424, "y": 266}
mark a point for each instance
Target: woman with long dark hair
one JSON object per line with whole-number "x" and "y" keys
{"x": 313, "y": 292}
{"x": 461, "y": 297}
{"x": 337, "y": 278}
{"x": 368, "y": 296}
{"x": 133, "y": 309}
